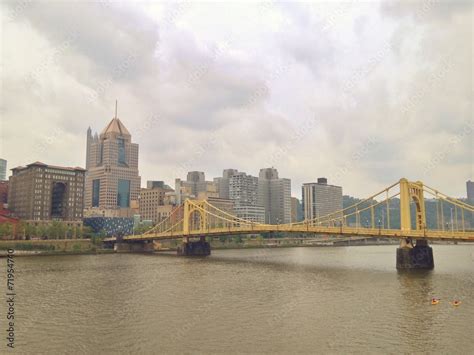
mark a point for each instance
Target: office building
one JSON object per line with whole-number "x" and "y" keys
{"x": 3, "y": 169}
{"x": 320, "y": 199}
{"x": 46, "y": 192}
{"x": 112, "y": 178}
{"x": 152, "y": 200}
{"x": 243, "y": 190}
{"x": 274, "y": 194}
{"x": 223, "y": 182}
{"x": 250, "y": 213}
{"x": 195, "y": 187}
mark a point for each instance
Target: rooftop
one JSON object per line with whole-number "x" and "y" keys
{"x": 38, "y": 163}
{"x": 115, "y": 126}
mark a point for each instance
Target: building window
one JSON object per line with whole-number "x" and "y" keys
{"x": 121, "y": 151}
{"x": 95, "y": 192}
{"x": 123, "y": 193}
{"x": 58, "y": 202}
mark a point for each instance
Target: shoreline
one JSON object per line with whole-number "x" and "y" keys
{"x": 22, "y": 253}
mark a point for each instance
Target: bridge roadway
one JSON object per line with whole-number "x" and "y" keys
{"x": 467, "y": 236}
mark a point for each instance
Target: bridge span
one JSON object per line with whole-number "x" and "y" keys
{"x": 200, "y": 219}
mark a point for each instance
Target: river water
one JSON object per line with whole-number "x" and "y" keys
{"x": 289, "y": 300}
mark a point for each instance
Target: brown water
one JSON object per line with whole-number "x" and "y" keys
{"x": 294, "y": 300}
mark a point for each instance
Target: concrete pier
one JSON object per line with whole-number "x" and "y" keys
{"x": 198, "y": 248}
{"x": 419, "y": 256}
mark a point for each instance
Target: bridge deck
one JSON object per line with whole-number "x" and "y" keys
{"x": 341, "y": 231}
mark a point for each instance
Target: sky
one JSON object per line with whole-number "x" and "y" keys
{"x": 361, "y": 93}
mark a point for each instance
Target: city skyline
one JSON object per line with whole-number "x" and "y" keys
{"x": 251, "y": 99}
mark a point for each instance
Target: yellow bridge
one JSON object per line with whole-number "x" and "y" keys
{"x": 198, "y": 218}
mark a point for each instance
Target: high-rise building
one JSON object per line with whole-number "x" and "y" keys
{"x": 223, "y": 182}
{"x": 112, "y": 179}
{"x": 243, "y": 190}
{"x": 46, "y": 192}
{"x": 470, "y": 191}
{"x": 274, "y": 194}
{"x": 3, "y": 169}
{"x": 151, "y": 202}
{"x": 321, "y": 199}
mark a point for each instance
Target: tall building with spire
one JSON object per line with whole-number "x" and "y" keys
{"x": 112, "y": 178}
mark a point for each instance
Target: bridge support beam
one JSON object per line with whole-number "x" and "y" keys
{"x": 197, "y": 248}
{"x": 134, "y": 247}
{"x": 419, "y": 256}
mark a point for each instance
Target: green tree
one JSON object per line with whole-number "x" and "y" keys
{"x": 31, "y": 231}
{"x": 238, "y": 239}
{"x": 42, "y": 231}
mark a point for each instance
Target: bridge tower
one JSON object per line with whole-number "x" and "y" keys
{"x": 409, "y": 256}
{"x": 194, "y": 220}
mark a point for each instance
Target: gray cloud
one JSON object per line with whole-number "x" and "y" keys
{"x": 238, "y": 93}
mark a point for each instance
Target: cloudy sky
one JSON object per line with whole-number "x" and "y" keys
{"x": 362, "y": 93}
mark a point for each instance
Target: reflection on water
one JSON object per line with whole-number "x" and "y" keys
{"x": 291, "y": 300}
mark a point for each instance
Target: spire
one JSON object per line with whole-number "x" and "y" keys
{"x": 115, "y": 108}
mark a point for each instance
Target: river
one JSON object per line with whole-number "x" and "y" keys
{"x": 288, "y": 300}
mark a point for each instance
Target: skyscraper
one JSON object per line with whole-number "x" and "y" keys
{"x": 274, "y": 194}
{"x": 321, "y": 199}
{"x": 243, "y": 190}
{"x": 3, "y": 169}
{"x": 223, "y": 182}
{"x": 470, "y": 191}
{"x": 112, "y": 179}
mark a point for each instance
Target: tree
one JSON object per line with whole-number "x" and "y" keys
{"x": 86, "y": 232}
{"x": 42, "y": 231}
{"x": 238, "y": 239}
{"x": 30, "y": 231}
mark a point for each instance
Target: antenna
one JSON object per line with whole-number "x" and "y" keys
{"x": 115, "y": 108}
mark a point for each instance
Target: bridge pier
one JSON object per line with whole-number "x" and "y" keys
{"x": 419, "y": 256}
{"x": 134, "y": 247}
{"x": 196, "y": 248}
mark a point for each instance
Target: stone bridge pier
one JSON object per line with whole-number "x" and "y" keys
{"x": 194, "y": 248}
{"x": 418, "y": 256}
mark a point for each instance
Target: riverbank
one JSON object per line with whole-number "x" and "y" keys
{"x": 86, "y": 247}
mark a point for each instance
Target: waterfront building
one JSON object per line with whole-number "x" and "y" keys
{"x": 46, "y": 192}
{"x": 3, "y": 169}
{"x": 470, "y": 191}
{"x": 250, "y": 213}
{"x": 110, "y": 226}
{"x": 112, "y": 178}
{"x": 320, "y": 199}
{"x": 274, "y": 194}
